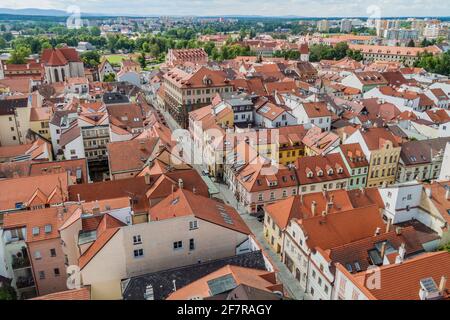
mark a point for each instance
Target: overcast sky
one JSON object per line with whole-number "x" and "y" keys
{"x": 310, "y": 8}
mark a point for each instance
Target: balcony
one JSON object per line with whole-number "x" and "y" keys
{"x": 20, "y": 262}
{"x": 25, "y": 282}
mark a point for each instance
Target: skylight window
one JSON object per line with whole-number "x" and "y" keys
{"x": 48, "y": 228}
{"x": 35, "y": 231}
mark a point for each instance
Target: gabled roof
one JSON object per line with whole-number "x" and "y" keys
{"x": 341, "y": 228}
{"x": 376, "y": 137}
{"x": 402, "y": 281}
{"x": 254, "y": 278}
{"x": 316, "y": 109}
{"x": 21, "y": 190}
{"x": 321, "y": 164}
{"x": 83, "y": 293}
{"x": 59, "y": 56}
{"x": 184, "y": 203}
{"x": 105, "y": 230}
{"x": 49, "y": 218}
{"x": 358, "y": 251}
{"x": 130, "y": 155}
{"x": 354, "y": 155}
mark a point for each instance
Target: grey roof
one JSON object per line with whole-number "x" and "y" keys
{"x": 7, "y": 106}
{"x": 59, "y": 115}
{"x": 115, "y": 98}
{"x": 419, "y": 152}
{"x": 238, "y": 98}
{"x": 162, "y": 281}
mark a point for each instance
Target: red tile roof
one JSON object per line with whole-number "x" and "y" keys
{"x": 402, "y": 281}
{"x": 75, "y": 294}
{"x": 259, "y": 279}
{"x": 183, "y": 202}
{"x": 341, "y": 228}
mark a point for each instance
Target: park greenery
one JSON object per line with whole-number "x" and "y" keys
{"x": 152, "y": 47}
{"x": 339, "y": 51}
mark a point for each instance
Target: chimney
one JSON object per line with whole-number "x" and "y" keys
{"x": 180, "y": 183}
{"x": 142, "y": 145}
{"x": 148, "y": 179}
{"x": 330, "y": 203}
{"x": 377, "y": 231}
{"x": 383, "y": 250}
{"x": 313, "y": 208}
{"x": 398, "y": 230}
{"x": 174, "y": 285}
{"x": 401, "y": 254}
{"x": 61, "y": 213}
{"x": 447, "y": 194}
{"x": 96, "y": 208}
{"x": 194, "y": 190}
{"x": 79, "y": 199}
{"x": 442, "y": 285}
{"x": 388, "y": 225}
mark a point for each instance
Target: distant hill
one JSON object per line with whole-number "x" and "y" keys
{"x": 34, "y": 12}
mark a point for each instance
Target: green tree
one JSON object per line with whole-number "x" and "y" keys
{"x": 91, "y": 59}
{"x": 208, "y": 47}
{"x": 7, "y": 293}
{"x": 95, "y": 31}
{"x": 110, "y": 77}
{"x": 3, "y": 43}
{"x": 435, "y": 63}
{"x": 8, "y": 36}
{"x": 411, "y": 43}
{"x": 19, "y": 55}
{"x": 142, "y": 61}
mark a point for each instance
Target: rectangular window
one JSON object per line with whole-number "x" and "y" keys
{"x": 191, "y": 244}
{"x": 48, "y": 228}
{"x": 53, "y": 252}
{"x": 137, "y": 239}
{"x": 138, "y": 253}
{"x": 178, "y": 245}
{"x": 193, "y": 225}
{"x": 35, "y": 231}
{"x": 56, "y": 271}
{"x": 41, "y": 275}
{"x": 37, "y": 255}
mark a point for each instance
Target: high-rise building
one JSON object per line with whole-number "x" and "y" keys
{"x": 323, "y": 26}
{"x": 346, "y": 25}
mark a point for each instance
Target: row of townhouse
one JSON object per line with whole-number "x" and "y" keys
{"x": 325, "y": 237}
{"x": 259, "y": 182}
{"x": 57, "y": 236}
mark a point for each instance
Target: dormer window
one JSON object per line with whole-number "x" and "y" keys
{"x": 330, "y": 172}
{"x": 320, "y": 173}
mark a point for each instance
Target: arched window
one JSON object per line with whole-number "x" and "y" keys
{"x": 56, "y": 75}
{"x": 63, "y": 74}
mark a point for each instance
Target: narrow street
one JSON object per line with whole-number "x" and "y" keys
{"x": 291, "y": 285}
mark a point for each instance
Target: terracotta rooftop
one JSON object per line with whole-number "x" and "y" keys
{"x": 125, "y": 156}
{"x": 316, "y": 169}
{"x": 33, "y": 191}
{"x": 203, "y": 287}
{"x": 402, "y": 281}
{"x": 341, "y": 228}
{"x": 183, "y": 202}
{"x": 83, "y": 293}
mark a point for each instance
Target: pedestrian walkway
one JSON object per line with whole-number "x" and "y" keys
{"x": 286, "y": 277}
{"x": 291, "y": 285}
